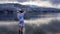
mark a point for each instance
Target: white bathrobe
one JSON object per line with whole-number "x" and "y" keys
{"x": 21, "y": 18}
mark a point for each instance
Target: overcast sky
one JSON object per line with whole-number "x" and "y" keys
{"x": 41, "y": 3}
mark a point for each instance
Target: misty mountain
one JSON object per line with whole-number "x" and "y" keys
{"x": 15, "y": 6}
{"x": 43, "y": 9}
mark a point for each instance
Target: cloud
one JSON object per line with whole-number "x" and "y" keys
{"x": 29, "y": 0}
{"x": 51, "y": 1}
{"x": 55, "y": 1}
{"x": 22, "y": 0}
{"x": 8, "y": 0}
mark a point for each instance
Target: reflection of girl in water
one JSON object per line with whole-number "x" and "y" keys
{"x": 20, "y": 16}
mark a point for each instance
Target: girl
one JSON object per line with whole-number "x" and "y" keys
{"x": 20, "y": 16}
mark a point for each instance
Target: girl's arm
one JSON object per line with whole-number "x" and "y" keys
{"x": 24, "y": 12}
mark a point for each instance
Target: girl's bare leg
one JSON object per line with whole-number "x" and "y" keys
{"x": 20, "y": 30}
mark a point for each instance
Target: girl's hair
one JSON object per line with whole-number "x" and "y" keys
{"x": 21, "y": 11}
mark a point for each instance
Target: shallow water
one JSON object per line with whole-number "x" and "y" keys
{"x": 44, "y": 24}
